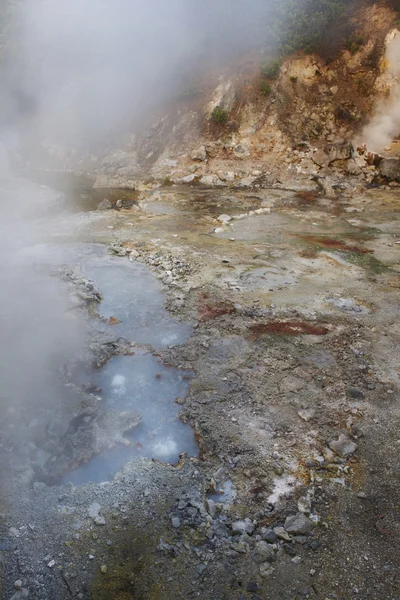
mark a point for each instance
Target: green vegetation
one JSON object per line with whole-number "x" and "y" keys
{"x": 320, "y": 26}
{"x": 219, "y": 115}
{"x": 354, "y": 44}
{"x": 271, "y": 69}
{"x": 265, "y": 88}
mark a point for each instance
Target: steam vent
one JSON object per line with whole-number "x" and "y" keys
{"x": 200, "y": 300}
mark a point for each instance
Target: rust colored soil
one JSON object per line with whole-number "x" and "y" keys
{"x": 209, "y": 311}
{"x": 326, "y": 242}
{"x": 287, "y": 328}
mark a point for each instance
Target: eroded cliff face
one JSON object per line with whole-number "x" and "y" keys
{"x": 302, "y": 130}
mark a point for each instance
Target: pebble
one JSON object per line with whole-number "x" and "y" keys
{"x": 94, "y": 510}
{"x": 298, "y": 524}
{"x": 176, "y": 522}
{"x": 18, "y": 584}
{"x": 103, "y": 569}
{"x": 264, "y": 552}
{"x": 282, "y": 534}
{"x": 245, "y": 526}
{"x": 268, "y": 535}
{"x": 51, "y": 564}
{"x": 296, "y": 560}
{"x": 306, "y": 414}
{"x": 266, "y": 570}
{"x": 343, "y": 446}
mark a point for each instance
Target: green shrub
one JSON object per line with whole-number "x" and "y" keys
{"x": 354, "y": 44}
{"x": 265, "y": 88}
{"x": 219, "y": 115}
{"x": 271, "y": 69}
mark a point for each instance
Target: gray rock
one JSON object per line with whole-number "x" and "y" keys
{"x": 199, "y": 154}
{"x": 355, "y": 393}
{"x": 282, "y": 534}
{"x": 298, "y": 524}
{"x": 104, "y": 205}
{"x": 211, "y": 180}
{"x": 245, "y": 526}
{"x": 18, "y": 584}
{"x": 94, "y": 510}
{"x": 264, "y": 552}
{"x": 341, "y": 151}
{"x": 343, "y": 446}
{"x": 176, "y": 522}
{"x": 124, "y": 203}
{"x": 241, "y": 151}
{"x": 268, "y": 535}
{"x": 266, "y": 570}
{"x": 390, "y": 168}
{"x": 306, "y": 414}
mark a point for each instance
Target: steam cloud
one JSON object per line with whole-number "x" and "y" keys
{"x": 77, "y": 73}
{"x": 385, "y": 124}
{"x": 92, "y": 69}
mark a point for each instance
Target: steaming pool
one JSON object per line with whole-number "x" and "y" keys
{"x": 140, "y": 382}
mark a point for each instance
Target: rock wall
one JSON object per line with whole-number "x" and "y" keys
{"x": 295, "y": 132}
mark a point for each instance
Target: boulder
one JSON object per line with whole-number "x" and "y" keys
{"x": 390, "y": 168}
{"x": 199, "y": 154}
{"x": 342, "y": 151}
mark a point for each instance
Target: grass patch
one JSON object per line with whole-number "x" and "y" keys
{"x": 219, "y": 115}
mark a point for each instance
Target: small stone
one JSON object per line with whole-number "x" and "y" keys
{"x": 314, "y": 545}
{"x": 343, "y": 446}
{"x": 176, "y": 522}
{"x": 224, "y": 218}
{"x": 289, "y": 549}
{"x": 282, "y": 534}
{"x": 51, "y": 564}
{"x": 266, "y": 570}
{"x": 93, "y": 511}
{"x": 103, "y": 569}
{"x": 296, "y": 560}
{"x": 14, "y": 532}
{"x": 306, "y": 414}
{"x": 355, "y": 393}
{"x": 362, "y": 495}
{"x": 199, "y": 154}
{"x": 201, "y": 569}
{"x": 298, "y": 524}
{"x": 18, "y": 584}
{"x": 304, "y": 505}
{"x": 268, "y": 535}
{"x": 264, "y": 552}
{"x": 104, "y": 205}
{"x": 241, "y": 527}
{"x": 219, "y": 230}
{"x": 252, "y": 586}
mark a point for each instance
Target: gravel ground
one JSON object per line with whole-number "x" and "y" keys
{"x": 295, "y": 401}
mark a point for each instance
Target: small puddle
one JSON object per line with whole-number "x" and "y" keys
{"x": 133, "y": 298}
{"x": 143, "y": 384}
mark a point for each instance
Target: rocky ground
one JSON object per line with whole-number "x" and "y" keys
{"x": 293, "y": 299}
